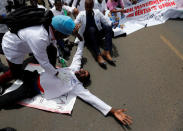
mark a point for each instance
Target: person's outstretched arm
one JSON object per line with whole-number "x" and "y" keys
{"x": 76, "y": 62}
{"x": 104, "y": 108}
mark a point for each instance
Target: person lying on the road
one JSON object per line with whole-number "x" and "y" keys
{"x": 53, "y": 87}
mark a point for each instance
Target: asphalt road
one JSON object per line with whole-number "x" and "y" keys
{"x": 148, "y": 81}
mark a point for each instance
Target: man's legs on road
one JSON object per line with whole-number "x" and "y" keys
{"x": 91, "y": 37}
{"x": 107, "y": 33}
{"x": 27, "y": 90}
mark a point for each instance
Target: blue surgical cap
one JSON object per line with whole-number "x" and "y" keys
{"x": 63, "y": 24}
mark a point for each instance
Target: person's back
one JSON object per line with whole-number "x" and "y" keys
{"x": 16, "y": 46}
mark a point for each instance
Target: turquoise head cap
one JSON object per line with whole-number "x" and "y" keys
{"x": 63, "y": 24}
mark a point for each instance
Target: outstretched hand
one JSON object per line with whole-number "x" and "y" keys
{"x": 121, "y": 116}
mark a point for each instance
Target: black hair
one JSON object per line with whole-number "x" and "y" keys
{"x": 57, "y": 1}
{"x": 86, "y": 80}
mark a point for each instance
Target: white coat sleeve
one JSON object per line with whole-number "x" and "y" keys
{"x": 38, "y": 46}
{"x": 52, "y": 2}
{"x": 76, "y": 62}
{"x": 78, "y": 18}
{"x": 68, "y": 8}
{"x": 74, "y": 3}
{"x": 104, "y": 5}
{"x": 88, "y": 97}
{"x": 104, "y": 20}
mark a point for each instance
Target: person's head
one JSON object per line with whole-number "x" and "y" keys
{"x": 100, "y": 1}
{"x": 58, "y": 5}
{"x": 89, "y": 6}
{"x": 83, "y": 76}
{"x": 63, "y": 26}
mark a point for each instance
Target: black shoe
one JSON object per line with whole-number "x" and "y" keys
{"x": 2, "y": 90}
{"x": 111, "y": 62}
{"x": 103, "y": 65}
{"x": 5, "y": 86}
{"x": 8, "y": 129}
{"x": 101, "y": 62}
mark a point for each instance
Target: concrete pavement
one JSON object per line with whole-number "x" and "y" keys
{"x": 147, "y": 81}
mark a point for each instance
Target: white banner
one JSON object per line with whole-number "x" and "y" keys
{"x": 145, "y": 13}
{"x": 63, "y": 104}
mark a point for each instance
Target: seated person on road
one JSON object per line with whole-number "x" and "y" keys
{"x": 94, "y": 26}
{"x": 98, "y": 4}
{"x": 60, "y": 9}
{"x": 113, "y": 4}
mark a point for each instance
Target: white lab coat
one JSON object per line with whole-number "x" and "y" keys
{"x": 41, "y": 6}
{"x": 56, "y": 12}
{"x": 34, "y": 40}
{"x": 102, "y": 7}
{"x": 98, "y": 16}
{"x": 54, "y": 87}
{"x": 53, "y": 1}
{"x": 97, "y": 5}
{"x": 80, "y": 6}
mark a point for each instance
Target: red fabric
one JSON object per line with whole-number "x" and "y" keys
{"x": 39, "y": 85}
{"x": 14, "y": 72}
{"x": 6, "y": 77}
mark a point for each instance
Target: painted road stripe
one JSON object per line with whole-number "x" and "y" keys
{"x": 170, "y": 45}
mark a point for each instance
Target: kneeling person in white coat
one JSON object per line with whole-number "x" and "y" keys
{"x": 34, "y": 40}
{"x": 53, "y": 87}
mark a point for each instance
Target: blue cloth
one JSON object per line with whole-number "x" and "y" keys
{"x": 63, "y": 24}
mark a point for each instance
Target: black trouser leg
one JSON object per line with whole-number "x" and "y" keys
{"x": 26, "y": 90}
{"x": 17, "y": 95}
{"x": 1, "y": 37}
{"x": 90, "y": 36}
{"x": 107, "y": 32}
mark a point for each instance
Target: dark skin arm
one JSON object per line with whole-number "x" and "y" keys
{"x": 75, "y": 32}
{"x": 121, "y": 116}
{"x": 120, "y": 10}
